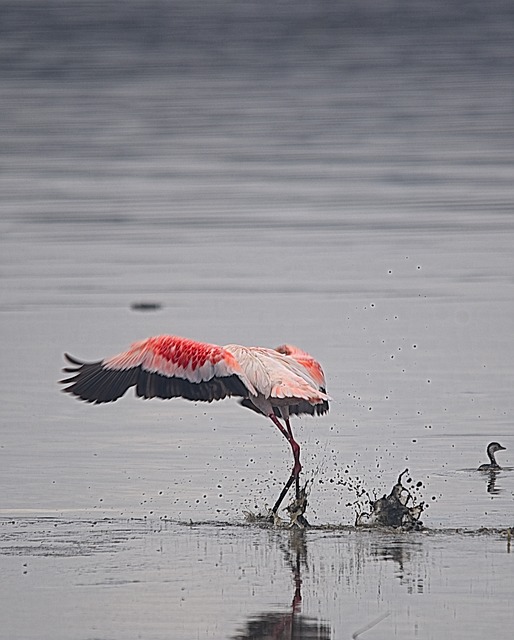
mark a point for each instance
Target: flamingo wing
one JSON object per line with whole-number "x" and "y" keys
{"x": 160, "y": 367}
{"x": 300, "y": 408}
{"x": 282, "y": 380}
{"x": 303, "y": 358}
{"x": 315, "y": 372}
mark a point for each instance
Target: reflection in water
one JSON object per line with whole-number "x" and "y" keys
{"x": 491, "y": 482}
{"x": 406, "y": 555}
{"x": 291, "y": 624}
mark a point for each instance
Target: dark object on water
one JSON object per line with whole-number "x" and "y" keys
{"x": 393, "y": 510}
{"x": 492, "y": 448}
{"x": 145, "y": 306}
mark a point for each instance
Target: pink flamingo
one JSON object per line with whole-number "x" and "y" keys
{"x": 275, "y": 382}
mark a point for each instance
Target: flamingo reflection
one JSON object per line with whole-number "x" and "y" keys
{"x": 290, "y": 624}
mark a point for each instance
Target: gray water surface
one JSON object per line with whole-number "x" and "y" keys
{"x": 120, "y": 578}
{"x": 336, "y": 176}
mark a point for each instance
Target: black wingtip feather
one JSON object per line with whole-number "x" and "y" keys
{"x": 96, "y": 383}
{"x": 302, "y": 407}
{"x": 73, "y": 360}
{"x": 92, "y": 382}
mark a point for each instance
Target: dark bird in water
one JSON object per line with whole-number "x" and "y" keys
{"x": 492, "y": 448}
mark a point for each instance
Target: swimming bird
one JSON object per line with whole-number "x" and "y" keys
{"x": 492, "y": 448}
{"x": 277, "y": 382}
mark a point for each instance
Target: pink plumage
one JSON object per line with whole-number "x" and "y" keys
{"x": 275, "y": 382}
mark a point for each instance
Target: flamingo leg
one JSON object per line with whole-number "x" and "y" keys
{"x": 295, "y": 474}
{"x": 283, "y": 494}
{"x": 296, "y": 453}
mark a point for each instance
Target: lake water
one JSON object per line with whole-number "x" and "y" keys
{"x": 338, "y": 176}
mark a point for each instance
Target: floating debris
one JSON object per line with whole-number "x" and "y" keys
{"x": 370, "y": 625}
{"x": 145, "y": 306}
{"x": 397, "y": 510}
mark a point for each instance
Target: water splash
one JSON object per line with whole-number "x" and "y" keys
{"x": 401, "y": 508}
{"x": 295, "y": 509}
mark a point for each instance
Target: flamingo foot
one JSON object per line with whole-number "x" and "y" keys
{"x": 297, "y": 509}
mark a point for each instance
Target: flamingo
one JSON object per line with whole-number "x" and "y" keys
{"x": 277, "y": 382}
